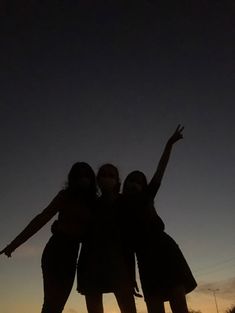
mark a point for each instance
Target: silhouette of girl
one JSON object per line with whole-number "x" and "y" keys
{"x": 74, "y": 205}
{"x": 164, "y": 272}
{"x": 103, "y": 265}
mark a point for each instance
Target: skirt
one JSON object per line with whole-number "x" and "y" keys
{"x": 162, "y": 266}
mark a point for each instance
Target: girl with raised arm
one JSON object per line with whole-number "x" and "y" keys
{"x": 164, "y": 272}
{"x": 74, "y": 206}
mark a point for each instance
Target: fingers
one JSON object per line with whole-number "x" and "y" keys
{"x": 7, "y": 253}
{"x": 138, "y": 295}
{"x": 177, "y": 135}
{"x": 179, "y": 128}
{"x": 178, "y": 131}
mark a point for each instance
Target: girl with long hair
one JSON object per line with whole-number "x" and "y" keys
{"x": 74, "y": 206}
{"x": 164, "y": 272}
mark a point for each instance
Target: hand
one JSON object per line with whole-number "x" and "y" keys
{"x": 7, "y": 251}
{"x": 177, "y": 135}
{"x": 136, "y": 291}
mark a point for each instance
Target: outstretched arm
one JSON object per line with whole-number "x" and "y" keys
{"x": 157, "y": 177}
{"x": 37, "y": 223}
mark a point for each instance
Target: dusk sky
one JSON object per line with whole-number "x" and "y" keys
{"x": 109, "y": 81}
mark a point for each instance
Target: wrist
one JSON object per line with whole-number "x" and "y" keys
{"x": 11, "y": 247}
{"x": 170, "y": 142}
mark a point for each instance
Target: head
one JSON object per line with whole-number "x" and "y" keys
{"x": 135, "y": 183}
{"x": 108, "y": 179}
{"x": 81, "y": 179}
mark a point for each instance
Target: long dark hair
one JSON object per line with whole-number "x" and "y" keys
{"x": 77, "y": 170}
{"x": 141, "y": 177}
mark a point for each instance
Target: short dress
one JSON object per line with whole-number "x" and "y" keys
{"x": 103, "y": 264}
{"x": 161, "y": 263}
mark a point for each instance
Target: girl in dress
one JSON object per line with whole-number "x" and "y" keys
{"x": 164, "y": 272}
{"x": 104, "y": 264}
{"x": 74, "y": 206}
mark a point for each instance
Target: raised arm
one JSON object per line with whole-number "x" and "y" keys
{"x": 35, "y": 225}
{"x": 157, "y": 177}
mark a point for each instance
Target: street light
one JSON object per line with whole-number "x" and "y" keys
{"x": 214, "y": 291}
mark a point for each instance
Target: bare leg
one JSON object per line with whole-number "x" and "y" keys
{"x": 178, "y": 301}
{"x": 58, "y": 277}
{"x": 154, "y": 304}
{"x": 94, "y": 303}
{"x": 56, "y": 295}
{"x": 126, "y": 301}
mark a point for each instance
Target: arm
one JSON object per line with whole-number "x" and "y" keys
{"x": 35, "y": 225}
{"x": 157, "y": 177}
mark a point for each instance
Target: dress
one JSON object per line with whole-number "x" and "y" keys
{"x": 161, "y": 263}
{"x": 103, "y": 265}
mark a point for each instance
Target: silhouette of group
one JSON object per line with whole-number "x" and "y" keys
{"x": 99, "y": 235}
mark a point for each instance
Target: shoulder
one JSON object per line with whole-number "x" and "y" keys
{"x": 61, "y": 197}
{"x": 62, "y": 194}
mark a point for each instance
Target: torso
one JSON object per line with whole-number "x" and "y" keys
{"x": 74, "y": 217}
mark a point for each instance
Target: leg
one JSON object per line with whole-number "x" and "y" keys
{"x": 178, "y": 301}
{"x": 58, "y": 270}
{"x": 56, "y": 294}
{"x": 94, "y": 303}
{"x": 154, "y": 303}
{"x": 126, "y": 301}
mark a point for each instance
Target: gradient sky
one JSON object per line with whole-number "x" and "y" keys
{"x": 100, "y": 82}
